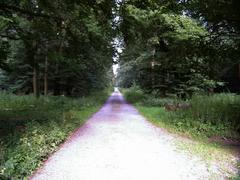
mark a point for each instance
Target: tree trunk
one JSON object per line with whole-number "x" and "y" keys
{"x": 35, "y": 70}
{"x": 239, "y": 71}
{"x": 153, "y": 74}
{"x": 46, "y": 77}
{"x": 35, "y": 79}
{"x": 57, "y": 86}
{"x": 153, "y": 69}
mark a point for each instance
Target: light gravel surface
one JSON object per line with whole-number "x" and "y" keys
{"x": 117, "y": 143}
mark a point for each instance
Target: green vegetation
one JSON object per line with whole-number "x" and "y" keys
{"x": 203, "y": 118}
{"x": 184, "y": 57}
{"x": 171, "y": 49}
{"x": 200, "y": 116}
{"x": 55, "y": 47}
{"x": 220, "y": 156}
{"x": 32, "y": 129}
{"x": 180, "y": 47}
{"x": 134, "y": 95}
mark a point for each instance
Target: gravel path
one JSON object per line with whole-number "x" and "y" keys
{"x": 117, "y": 143}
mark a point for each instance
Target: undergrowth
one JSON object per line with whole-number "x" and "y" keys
{"x": 31, "y": 129}
{"x": 204, "y": 115}
{"x": 201, "y": 117}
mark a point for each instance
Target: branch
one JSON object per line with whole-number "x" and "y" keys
{"x": 11, "y": 8}
{"x": 9, "y": 37}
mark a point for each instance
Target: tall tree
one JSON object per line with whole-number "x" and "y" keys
{"x": 66, "y": 45}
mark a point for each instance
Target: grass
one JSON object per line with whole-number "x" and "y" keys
{"x": 219, "y": 159}
{"x": 32, "y": 129}
{"x": 207, "y": 116}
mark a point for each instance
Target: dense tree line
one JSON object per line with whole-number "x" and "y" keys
{"x": 58, "y": 47}
{"x": 171, "y": 47}
{"x": 180, "y": 47}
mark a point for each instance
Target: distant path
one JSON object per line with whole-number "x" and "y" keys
{"x": 117, "y": 143}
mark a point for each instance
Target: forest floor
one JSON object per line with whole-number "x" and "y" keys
{"x": 118, "y": 143}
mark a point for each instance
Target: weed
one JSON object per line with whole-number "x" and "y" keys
{"x": 31, "y": 128}
{"x": 205, "y": 116}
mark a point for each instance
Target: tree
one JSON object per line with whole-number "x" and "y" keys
{"x": 174, "y": 47}
{"x": 64, "y": 46}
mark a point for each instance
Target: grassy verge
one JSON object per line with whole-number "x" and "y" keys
{"x": 199, "y": 118}
{"x": 31, "y": 129}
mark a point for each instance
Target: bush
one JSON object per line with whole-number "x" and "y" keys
{"x": 134, "y": 95}
{"x": 216, "y": 109}
{"x": 216, "y": 114}
{"x": 205, "y": 116}
{"x": 31, "y": 128}
{"x": 158, "y": 102}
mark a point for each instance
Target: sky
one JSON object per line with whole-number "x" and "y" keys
{"x": 115, "y": 67}
{"x": 117, "y": 42}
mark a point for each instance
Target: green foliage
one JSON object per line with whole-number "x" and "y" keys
{"x": 206, "y": 116}
{"x": 32, "y": 129}
{"x": 178, "y": 48}
{"x": 217, "y": 110}
{"x": 67, "y": 42}
{"x": 162, "y": 47}
{"x": 134, "y": 94}
{"x": 152, "y": 101}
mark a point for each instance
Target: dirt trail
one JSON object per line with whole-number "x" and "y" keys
{"x": 117, "y": 143}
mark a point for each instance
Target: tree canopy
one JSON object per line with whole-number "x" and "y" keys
{"x": 178, "y": 47}
{"x": 68, "y": 47}
{"x": 56, "y": 46}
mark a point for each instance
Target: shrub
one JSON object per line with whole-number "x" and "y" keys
{"x": 218, "y": 114}
{"x": 157, "y": 102}
{"x": 218, "y": 109}
{"x": 31, "y": 128}
{"x": 134, "y": 95}
{"x": 205, "y": 116}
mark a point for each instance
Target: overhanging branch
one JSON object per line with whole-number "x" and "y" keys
{"x": 12, "y": 8}
{"x": 9, "y": 37}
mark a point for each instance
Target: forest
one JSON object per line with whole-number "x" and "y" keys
{"x": 55, "y": 47}
{"x": 178, "y": 63}
{"x": 180, "y": 47}
{"x": 183, "y": 56}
